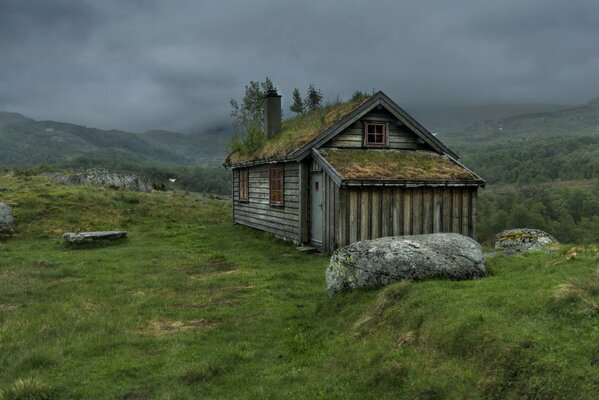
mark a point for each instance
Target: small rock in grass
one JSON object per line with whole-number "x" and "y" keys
{"x": 88, "y": 237}
{"x": 522, "y": 240}
{"x": 6, "y": 221}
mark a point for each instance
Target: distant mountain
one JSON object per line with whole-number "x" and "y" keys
{"x": 570, "y": 122}
{"x": 24, "y": 141}
{"x": 447, "y": 119}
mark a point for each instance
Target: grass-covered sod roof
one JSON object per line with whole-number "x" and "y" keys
{"x": 298, "y": 131}
{"x": 394, "y": 164}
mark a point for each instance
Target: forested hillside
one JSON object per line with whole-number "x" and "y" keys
{"x": 576, "y": 121}
{"x": 542, "y": 171}
{"x": 26, "y": 142}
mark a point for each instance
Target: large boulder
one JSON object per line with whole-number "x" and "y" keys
{"x": 379, "y": 262}
{"x": 6, "y": 221}
{"x": 523, "y": 239}
{"x": 102, "y": 177}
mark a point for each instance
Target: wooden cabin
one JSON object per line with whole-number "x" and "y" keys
{"x": 349, "y": 172}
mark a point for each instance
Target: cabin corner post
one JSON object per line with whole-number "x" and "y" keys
{"x": 304, "y": 216}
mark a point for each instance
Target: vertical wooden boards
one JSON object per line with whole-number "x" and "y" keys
{"x": 304, "y": 189}
{"x": 364, "y": 214}
{"x": 465, "y": 212}
{"x": 354, "y": 208}
{"x": 473, "y": 212}
{"x": 386, "y": 222}
{"x": 375, "y": 213}
{"x": 427, "y": 210}
{"x": 456, "y": 218}
{"x": 407, "y": 212}
{"x": 447, "y": 208}
{"x": 437, "y": 206}
{"x": 397, "y": 211}
{"x": 417, "y": 211}
{"x": 342, "y": 218}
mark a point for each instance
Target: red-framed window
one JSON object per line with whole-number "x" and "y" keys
{"x": 375, "y": 134}
{"x": 276, "y": 182}
{"x": 244, "y": 184}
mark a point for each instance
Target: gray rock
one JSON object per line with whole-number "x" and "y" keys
{"x": 6, "y": 221}
{"x": 102, "y": 177}
{"x": 379, "y": 262}
{"x": 88, "y": 237}
{"x": 523, "y": 239}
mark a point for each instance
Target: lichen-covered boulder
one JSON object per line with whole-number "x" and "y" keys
{"x": 379, "y": 262}
{"x": 102, "y": 177}
{"x": 523, "y": 239}
{"x": 6, "y": 221}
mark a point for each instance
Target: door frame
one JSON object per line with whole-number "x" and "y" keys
{"x": 322, "y": 218}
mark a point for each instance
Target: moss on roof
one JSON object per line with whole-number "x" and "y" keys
{"x": 298, "y": 131}
{"x": 395, "y": 164}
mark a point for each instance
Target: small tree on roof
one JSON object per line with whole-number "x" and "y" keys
{"x": 298, "y": 103}
{"x": 314, "y": 98}
{"x": 247, "y": 117}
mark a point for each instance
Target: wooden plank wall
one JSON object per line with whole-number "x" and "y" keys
{"x": 283, "y": 220}
{"x": 400, "y": 137}
{"x": 371, "y": 212}
{"x": 330, "y": 213}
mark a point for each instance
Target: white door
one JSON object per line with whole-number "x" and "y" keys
{"x": 316, "y": 207}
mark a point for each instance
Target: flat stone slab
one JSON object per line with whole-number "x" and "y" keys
{"x": 87, "y": 237}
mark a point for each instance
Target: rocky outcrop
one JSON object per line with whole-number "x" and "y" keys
{"x": 523, "y": 239}
{"x": 102, "y": 177}
{"x": 88, "y": 237}
{"x": 379, "y": 262}
{"x": 6, "y": 221}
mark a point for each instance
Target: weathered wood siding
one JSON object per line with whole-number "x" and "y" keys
{"x": 283, "y": 221}
{"x": 370, "y": 212}
{"x": 330, "y": 213}
{"x": 399, "y": 136}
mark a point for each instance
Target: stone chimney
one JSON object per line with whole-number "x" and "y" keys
{"x": 272, "y": 113}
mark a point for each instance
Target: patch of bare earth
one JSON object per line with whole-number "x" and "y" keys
{"x": 9, "y": 306}
{"x": 162, "y": 328}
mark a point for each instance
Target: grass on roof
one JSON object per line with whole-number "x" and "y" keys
{"x": 298, "y": 131}
{"x": 393, "y": 164}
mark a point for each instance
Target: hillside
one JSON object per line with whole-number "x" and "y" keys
{"x": 576, "y": 121}
{"x": 24, "y": 142}
{"x": 191, "y": 306}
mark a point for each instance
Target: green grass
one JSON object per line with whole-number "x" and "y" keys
{"x": 191, "y": 306}
{"x": 298, "y": 131}
{"x": 392, "y": 164}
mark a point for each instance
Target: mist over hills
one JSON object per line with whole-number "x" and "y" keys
{"x": 24, "y": 141}
{"x": 568, "y": 122}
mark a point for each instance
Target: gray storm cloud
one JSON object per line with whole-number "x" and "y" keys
{"x": 139, "y": 65}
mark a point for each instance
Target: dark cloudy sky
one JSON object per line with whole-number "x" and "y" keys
{"x": 174, "y": 64}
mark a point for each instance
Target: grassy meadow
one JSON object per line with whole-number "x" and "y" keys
{"x": 193, "y": 307}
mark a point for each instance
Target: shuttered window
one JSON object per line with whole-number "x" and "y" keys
{"x": 375, "y": 134}
{"x": 244, "y": 184}
{"x": 276, "y": 192}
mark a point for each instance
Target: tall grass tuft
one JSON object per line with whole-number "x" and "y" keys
{"x": 583, "y": 293}
{"x": 29, "y": 389}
